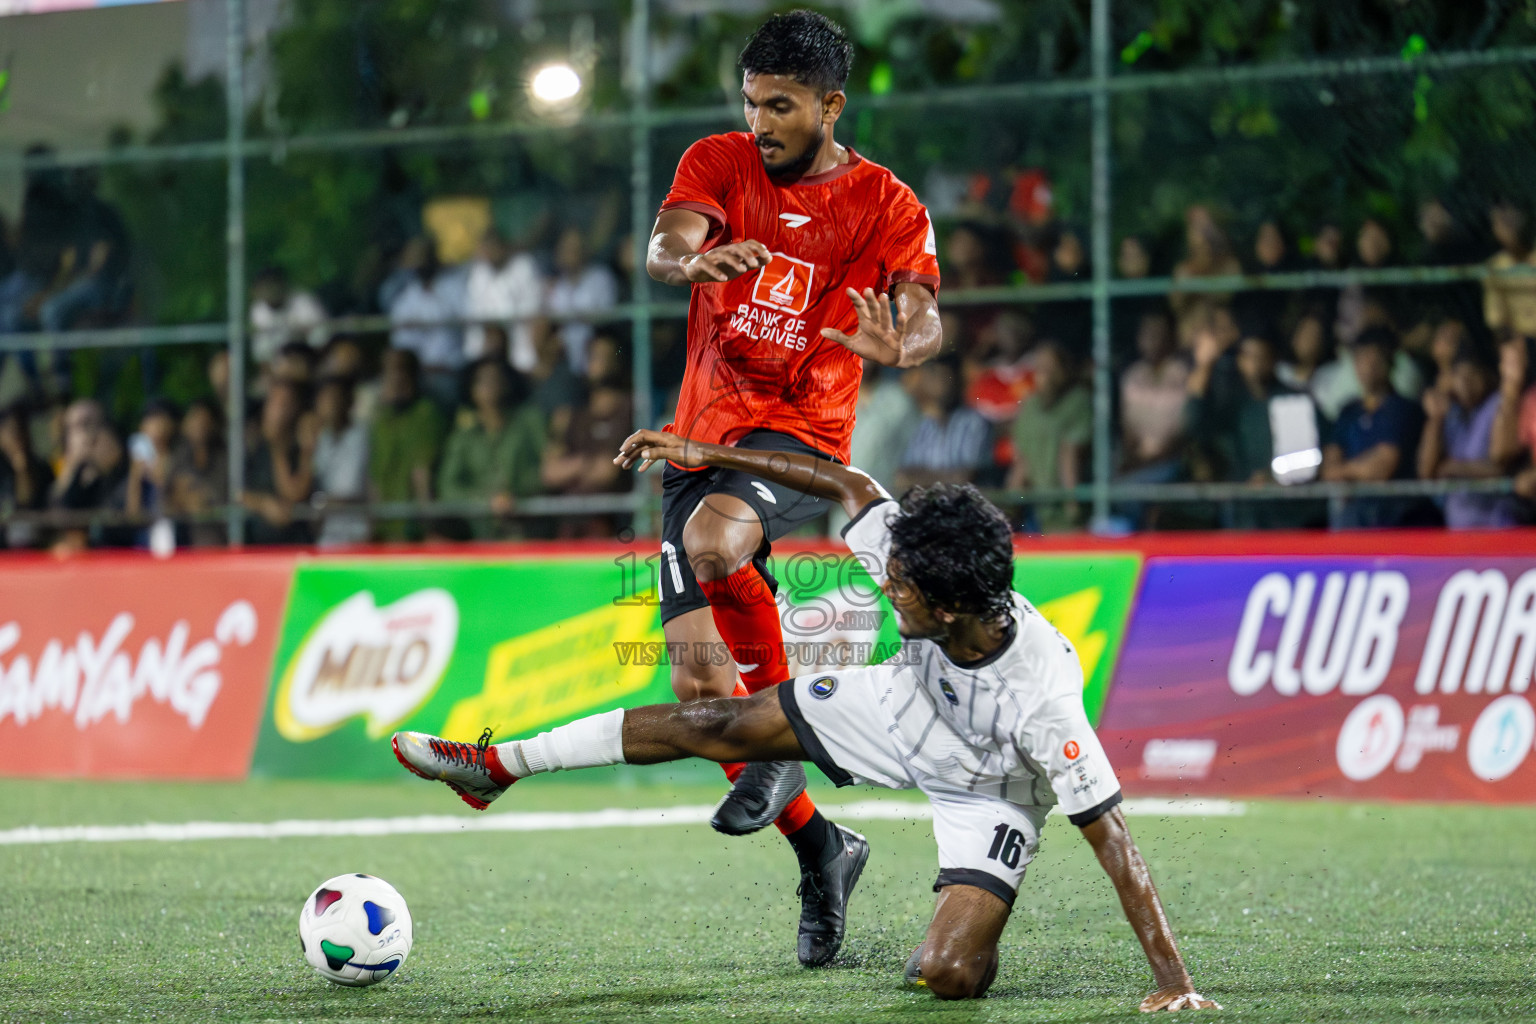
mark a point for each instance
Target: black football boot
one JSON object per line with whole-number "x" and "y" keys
{"x": 824, "y": 893}
{"x": 760, "y": 794}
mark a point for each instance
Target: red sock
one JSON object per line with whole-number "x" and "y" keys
{"x": 748, "y": 621}
{"x": 800, "y": 808}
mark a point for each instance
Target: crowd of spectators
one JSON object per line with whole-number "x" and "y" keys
{"x": 498, "y": 379}
{"x": 495, "y": 381}
{"x": 1235, "y": 384}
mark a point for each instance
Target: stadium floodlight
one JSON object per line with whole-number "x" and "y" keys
{"x": 555, "y": 84}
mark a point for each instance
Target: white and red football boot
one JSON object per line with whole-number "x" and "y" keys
{"x": 472, "y": 770}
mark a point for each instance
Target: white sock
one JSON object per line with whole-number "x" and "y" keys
{"x": 590, "y": 742}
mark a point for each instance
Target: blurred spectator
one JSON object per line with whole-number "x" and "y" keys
{"x": 1335, "y": 385}
{"x": 1377, "y": 305}
{"x": 581, "y": 288}
{"x": 218, "y": 378}
{"x": 1133, "y": 262}
{"x": 45, "y": 233}
{"x": 883, "y": 424}
{"x": 975, "y": 256}
{"x": 341, "y": 464}
{"x": 950, "y": 442}
{"x": 1234, "y": 417}
{"x": 1509, "y": 302}
{"x": 1152, "y": 397}
{"x": 1448, "y": 337}
{"x": 582, "y": 461}
{"x": 1208, "y": 253}
{"x": 24, "y": 477}
{"x": 1458, "y": 440}
{"x": 1052, "y": 436}
{"x": 494, "y": 456}
{"x": 404, "y": 444}
{"x": 1311, "y": 360}
{"x": 556, "y": 390}
{"x": 1376, "y": 436}
{"x": 293, "y": 363}
{"x": 149, "y": 464}
{"x": 1005, "y": 374}
{"x": 1327, "y": 256}
{"x": 199, "y": 475}
{"x": 279, "y": 468}
{"x": 425, "y": 316}
{"x": 343, "y": 357}
{"x": 281, "y": 313}
{"x": 1447, "y": 243}
{"x": 94, "y": 286}
{"x": 505, "y": 288}
{"x": 1071, "y": 321}
{"x": 1271, "y": 255}
{"x": 92, "y": 474}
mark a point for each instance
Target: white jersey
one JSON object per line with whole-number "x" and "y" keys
{"x": 1018, "y": 712}
{"x": 994, "y": 743}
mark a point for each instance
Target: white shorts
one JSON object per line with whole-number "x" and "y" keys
{"x": 845, "y": 724}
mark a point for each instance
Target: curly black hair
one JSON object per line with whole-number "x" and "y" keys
{"x": 810, "y": 48}
{"x": 956, "y": 548}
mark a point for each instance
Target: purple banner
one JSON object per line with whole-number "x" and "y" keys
{"x": 1361, "y": 677}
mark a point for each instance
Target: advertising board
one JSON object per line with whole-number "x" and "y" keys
{"x": 1359, "y": 677}
{"x": 454, "y": 647}
{"x": 136, "y": 668}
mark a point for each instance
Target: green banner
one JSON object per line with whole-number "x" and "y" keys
{"x": 455, "y": 647}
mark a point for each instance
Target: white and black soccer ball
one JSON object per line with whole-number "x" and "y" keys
{"x": 355, "y": 930}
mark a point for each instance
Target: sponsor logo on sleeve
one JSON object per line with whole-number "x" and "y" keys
{"x": 1071, "y": 750}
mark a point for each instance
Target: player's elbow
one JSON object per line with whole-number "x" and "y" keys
{"x": 958, "y": 977}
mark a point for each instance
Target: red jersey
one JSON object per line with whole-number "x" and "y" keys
{"x": 756, "y": 357}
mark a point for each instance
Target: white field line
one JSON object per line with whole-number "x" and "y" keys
{"x": 514, "y": 821}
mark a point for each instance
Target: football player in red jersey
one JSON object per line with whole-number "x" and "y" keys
{"x": 795, "y": 248}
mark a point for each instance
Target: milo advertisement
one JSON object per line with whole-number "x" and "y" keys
{"x": 516, "y": 646}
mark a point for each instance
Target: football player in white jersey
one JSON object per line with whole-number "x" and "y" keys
{"x": 982, "y": 711}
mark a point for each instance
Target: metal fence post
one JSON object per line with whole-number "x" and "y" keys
{"x": 640, "y": 228}
{"x": 1102, "y": 380}
{"x": 234, "y": 245}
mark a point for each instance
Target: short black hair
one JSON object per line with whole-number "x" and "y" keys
{"x": 1380, "y": 337}
{"x": 955, "y": 547}
{"x": 810, "y": 48}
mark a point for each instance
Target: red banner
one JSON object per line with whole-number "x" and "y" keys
{"x": 127, "y": 667}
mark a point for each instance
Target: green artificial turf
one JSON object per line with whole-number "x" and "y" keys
{"x": 1292, "y": 912}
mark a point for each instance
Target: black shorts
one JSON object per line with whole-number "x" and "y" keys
{"x": 779, "y": 509}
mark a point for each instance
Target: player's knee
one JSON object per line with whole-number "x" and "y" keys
{"x": 715, "y": 549}
{"x": 950, "y": 976}
{"x": 690, "y": 684}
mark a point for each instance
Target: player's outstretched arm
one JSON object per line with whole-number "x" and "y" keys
{"x": 848, "y": 485}
{"x": 913, "y": 337}
{"x": 673, "y": 256}
{"x": 1122, "y": 861}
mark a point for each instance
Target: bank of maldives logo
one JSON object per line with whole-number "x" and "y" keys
{"x": 784, "y": 284}
{"x": 379, "y": 663}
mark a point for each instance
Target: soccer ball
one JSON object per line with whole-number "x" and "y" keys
{"x": 355, "y": 930}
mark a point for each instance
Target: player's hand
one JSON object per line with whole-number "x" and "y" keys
{"x": 650, "y": 446}
{"x": 1175, "y": 998}
{"x": 879, "y": 336}
{"x": 725, "y": 262}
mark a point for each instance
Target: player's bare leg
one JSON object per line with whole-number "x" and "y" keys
{"x": 958, "y": 957}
